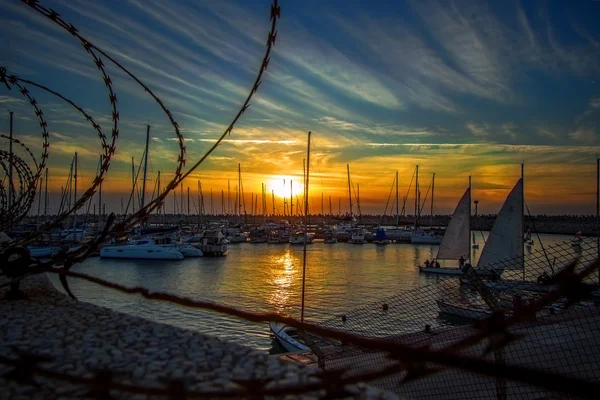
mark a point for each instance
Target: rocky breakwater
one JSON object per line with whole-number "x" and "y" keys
{"x": 98, "y": 350}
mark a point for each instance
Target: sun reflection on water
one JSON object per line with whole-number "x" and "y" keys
{"x": 283, "y": 273}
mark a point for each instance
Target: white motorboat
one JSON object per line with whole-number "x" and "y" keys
{"x": 141, "y": 249}
{"x": 213, "y": 243}
{"x": 277, "y": 237}
{"x": 287, "y": 336}
{"x": 399, "y": 235}
{"x": 300, "y": 238}
{"x": 357, "y": 237}
{"x": 238, "y": 237}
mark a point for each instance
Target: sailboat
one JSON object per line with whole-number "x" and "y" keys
{"x": 504, "y": 244}
{"x": 505, "y": 241}
{"x": 456, "y": 240}
{"x": 380, "y": 237}
{"x": 287, "y": 335}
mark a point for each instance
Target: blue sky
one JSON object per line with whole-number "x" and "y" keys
{"x": 465, "y": 87}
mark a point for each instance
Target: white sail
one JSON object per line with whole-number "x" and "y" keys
{"x": 504, "y": 246}
{"x": 456, "y": 241}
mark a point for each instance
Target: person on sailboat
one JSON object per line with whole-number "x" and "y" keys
{"x": 461, "y": 262}
{"x": 427, "y": 263}
{"x": 437, "y": 264}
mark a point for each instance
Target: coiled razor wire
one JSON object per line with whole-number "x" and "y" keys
{"x": 109, "y": 149}
{"x": 358, "y": 346}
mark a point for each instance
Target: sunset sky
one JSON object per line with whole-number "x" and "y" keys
{"x": 459, "y": 88}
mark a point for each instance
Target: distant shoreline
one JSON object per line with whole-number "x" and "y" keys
{"x": 551, "y": 224}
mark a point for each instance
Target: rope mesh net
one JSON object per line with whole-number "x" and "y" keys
{"x": 562, "y": 337}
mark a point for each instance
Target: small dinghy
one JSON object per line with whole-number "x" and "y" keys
{"x": 463, "y": 311}
{"x": 287, "y": 336}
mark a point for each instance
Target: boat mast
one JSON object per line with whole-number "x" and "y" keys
{"x": 431, "y": 212}
{"x": 228, "y": 198}
{"x": 598, "y": 211}
{"x": 291, "y": 198}
{"x": 10, "y": 162}
{"x": 145, "y": 165}
{"x": 305, "y": 228}
{"x": 397, "y": 215}
{"x": 188, "y": 201}
{"x": 39, "y": 211}
{"x": 523, "y": 215}
{"x": 75, "y": 198}
{"x": 100, "y": 194}
{"x": 358, "y": 200}
{"x": 273, "y": 200}
{"x": 469, "y": 237}
{"x": 330, "y": 212}
{"x": 158, "y": 193}
{"x": 284, "y": 201}
{"x": 239, "y": 200}
{"x": 133, "y": 187}
{"x": 417, "y": 198}
{"x": 322, "y": 208}
{"x": 199, "y": 204}
{"x": 46, "y": 197}
{"x": 349, "y": 191}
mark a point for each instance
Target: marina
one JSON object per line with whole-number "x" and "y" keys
{"x": 382, "y": 200}
{"x": 264, "y": 277}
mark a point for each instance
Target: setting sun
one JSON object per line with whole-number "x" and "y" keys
{"x": 280, "y": 185}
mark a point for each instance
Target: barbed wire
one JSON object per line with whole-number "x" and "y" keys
{"x": 413, "y": 362}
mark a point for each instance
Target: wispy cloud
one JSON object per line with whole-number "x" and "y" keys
{"x": 585, "y": 135}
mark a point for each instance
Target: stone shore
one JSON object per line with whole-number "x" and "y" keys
{"x": 84, "y": 338}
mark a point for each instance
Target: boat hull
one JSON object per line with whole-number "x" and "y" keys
{"x": 457, "y": 271}
{"x": 381, "y": 242}
{"x": 237, "y": 239}
{"x": 280, "y": 331}
{"x": 426, "y": 240}
{"x": 460, "y": 311}
{"x": 128, "y": 252}
{"x": 517, "y": 285}
{"x": 190, "y": 251}
{"x": 43, "y": 251}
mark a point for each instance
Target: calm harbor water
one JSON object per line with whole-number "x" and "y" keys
{"x": 263, "y": 278}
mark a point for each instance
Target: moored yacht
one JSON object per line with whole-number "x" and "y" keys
{"x": 357, "y": 236}
{"x": 213, "y": 243}
{"x": 278, "y": 236}
{"x": 144, "y": 249}
{"x": 300, "y": 238}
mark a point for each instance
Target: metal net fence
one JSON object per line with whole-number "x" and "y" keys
{"x": 526, "y": 319}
